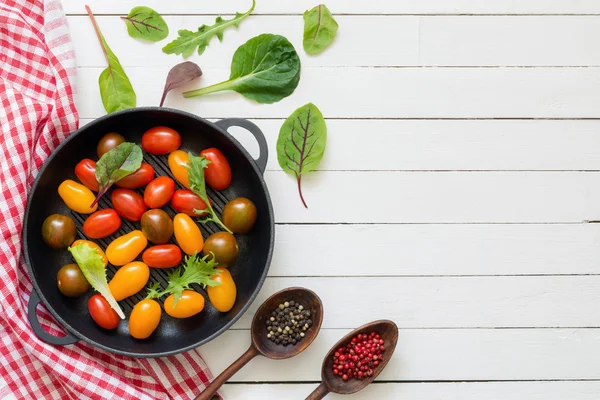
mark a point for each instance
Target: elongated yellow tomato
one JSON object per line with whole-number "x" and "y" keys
{"x": 144, "y": 318}
{"x": 187, "y": 234}
{"x": 223, "y": 296}
{"x": 179, "y": 163}
{"x": 190, "y": 303}
{"x": 94, "y": 245}
{"x": 129, "y": 279}
{"x": 126, "y": 248}
{"x": 77, "y": 197}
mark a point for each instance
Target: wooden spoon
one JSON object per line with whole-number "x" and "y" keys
{"x": 261, "y": 345}
{"x": 334, "y": 383}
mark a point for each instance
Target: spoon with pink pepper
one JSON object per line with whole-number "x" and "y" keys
{"x": 371, "y": 345}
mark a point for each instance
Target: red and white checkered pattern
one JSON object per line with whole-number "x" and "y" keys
{"x": 37, "y": 112}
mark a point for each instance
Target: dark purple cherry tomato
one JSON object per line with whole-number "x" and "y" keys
{"x": 159, "y": 192}
{"x": 101, "y": 224}
{"x": 71, "y": 282}
{"x": 218, "y": 172}
{"x": 109, "y": 142}
{"x": 139, "y": 178}
{"x": 160, "y": 140}
{"x": 128, "y": 204}
{"x": 223, "y": 246}
{"x": 86, "y": 173}
{"x": 162, "y": 256}
{"x": 239, "y": 215}
{"x": 58, "y": 231}
{"x": 185, "y": 201}
{"x": 102, "y": 313}
{"x": 157, "y": 226}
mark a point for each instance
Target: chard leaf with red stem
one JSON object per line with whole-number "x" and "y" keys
{"x": 145, "y": 23}
{"x": 116, "y": 164}
{"x": 180, "y": 75}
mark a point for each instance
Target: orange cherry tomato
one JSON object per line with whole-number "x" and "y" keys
{"x": 178, "y": 163}
{"x": 185, "y": 201}
{"x": 95, "y": 246}
{"x": 101, "y": 224}
{"x": 126, "y": 248}
{"x": 160, "y": 140}
{"x": 129, "y": 279}
{"x": 128, "y": 204}
{"x": 190, "y": 303}
{"x": 102, "y": 313}
{"x": 144, "y": 318}
{"x": 159, "y": 192}
{"x": 86, "y": 173}
{"x": 218, "y": 172}
{"x": 187, "y": 234}
{"x": 77, "y": 197}
{"x": 162, "y": 256}
{"x": 223, "y": 296}
{"x": 141, "y": 177}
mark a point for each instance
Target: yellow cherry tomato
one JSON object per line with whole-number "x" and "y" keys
{"x": 126, "y": 248}
{"x": 179, "y": 163}
{"x": 129, "y": 279}
{"x": 223, "y": 296}
{"x": 190, "y": 303}
{"x": 77, "y": 197}
{"x": 94, "y": 245}
{"x": 144, "y": 318}
{"x": 187, "y": 234}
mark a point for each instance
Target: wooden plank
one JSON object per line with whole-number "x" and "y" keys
{"x": 382, "y": 93}
{"x": 435, "y": 355}
{"x": 418, "y": 41}
{"x": 572, "y": 390}
{"x": 448, "y": 302}
{"x": 445, "y": 145}
{"x": 346, "y": 7}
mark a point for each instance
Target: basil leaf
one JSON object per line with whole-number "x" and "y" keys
{"x": 301, "y": 142}
{"x": 180, "y": 75}
{"x": 319, "y": 29}
{"x": 266, "y": 69}
{"x": 116, "y": 164}
{"x": 115, "y": 88}
{"x": 188, "y": 41}
{"x": 145, "y": 23}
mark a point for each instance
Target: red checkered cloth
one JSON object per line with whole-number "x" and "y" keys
{"x": 37, "y": 112}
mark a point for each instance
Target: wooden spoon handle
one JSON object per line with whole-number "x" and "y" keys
{"x": 320, "y": 392}
{"x": 208, "y": 393}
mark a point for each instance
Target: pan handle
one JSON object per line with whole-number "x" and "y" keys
{"x": 34, "y": 300}
{"x": 256, "y": 132}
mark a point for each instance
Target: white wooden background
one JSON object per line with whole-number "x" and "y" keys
{"x": 458, "y": 191}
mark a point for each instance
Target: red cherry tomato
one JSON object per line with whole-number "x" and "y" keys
{"x": 102, "y": 313}
{"x": 185, "y": 201}
{"x": 86, "y": 173}
{"x": 218, "y": 172}
{"x": 139, "y": 178}
{"x": 101, "y": 224}
{"x": 162, "y": 256}
{"x": 160, "y": 140}
{"x": 128, "y": 204}
{"x": 159, "y": 192}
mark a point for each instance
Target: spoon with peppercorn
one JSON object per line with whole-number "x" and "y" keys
{"x": 357, "y": 358}
{"x": 283, "y": 326}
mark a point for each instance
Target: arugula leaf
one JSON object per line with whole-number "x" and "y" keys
{"x": 188, "y": 40}
{"x": 301, "y": 142}
{"x": 265, "y": 69}
{"x": 116, "y": 164}
{"x": 180, "y": 75}
{"x": 319, "y": 29}
{"x": 145, "y": 23}
{"x": 93, "y": 268}
{"x": 115, "y": 88}
{"x": 198, "y": 186}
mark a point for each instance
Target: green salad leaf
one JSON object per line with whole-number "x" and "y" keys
{"x": 115, "y": 88}
{"x": 266, "y": 69}
{"x": 301, "y": 142}
{"x": 116, "y": 164}
{"x": 145, "y": 23}
{"x": 319, "y": 29}
{"x": 94, "y": 269}
{"x": 188, "y": 41}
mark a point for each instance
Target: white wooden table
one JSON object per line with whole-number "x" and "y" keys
{"x": 457, "y": 193}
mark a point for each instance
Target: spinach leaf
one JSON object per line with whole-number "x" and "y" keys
{"x": 179, "y": 75}
{"x": 319, "y": 29}
{"x": 116, "y": 164}
{"x": 301, "y": 142}
{"x": 266, "y": 69}
{"x": 145, "y": 23}
{"x": 187, "y": 41}
{"x": 115, "y": 88}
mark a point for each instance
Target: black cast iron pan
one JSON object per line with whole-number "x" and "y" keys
{"x": 173, "y": 335}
